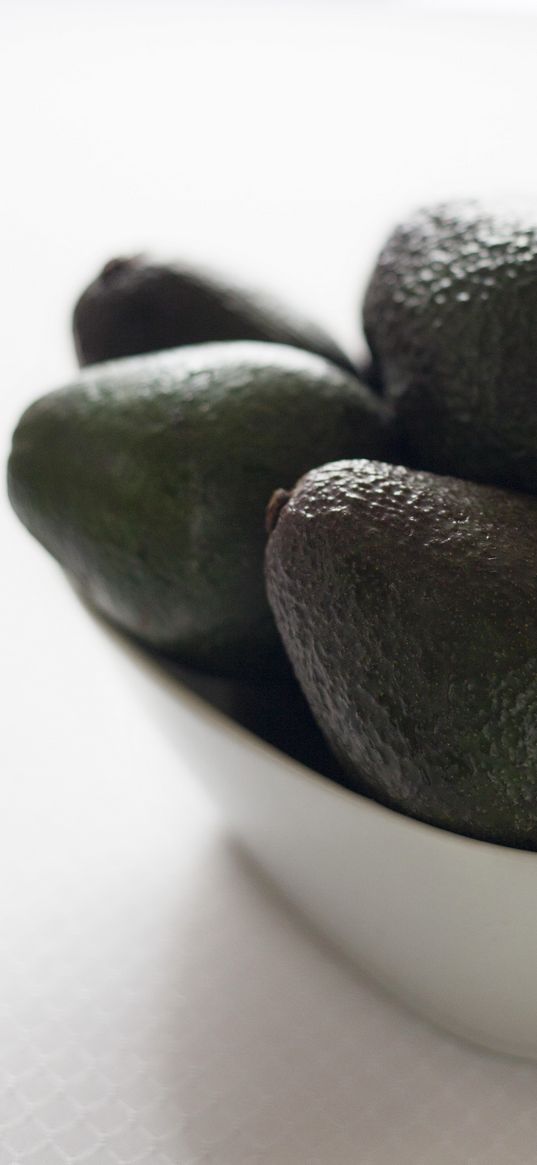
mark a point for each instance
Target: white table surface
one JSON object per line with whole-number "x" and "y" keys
{"x": 157, "y": 1003}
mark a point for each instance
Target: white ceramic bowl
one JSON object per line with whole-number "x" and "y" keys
{"x": 446, "y": 923}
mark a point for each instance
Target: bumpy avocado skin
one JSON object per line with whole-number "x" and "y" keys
{"x": 148, "y": 480}
{"x": 406, "y": 602}
{"x": 136, "y": 305}
{"x": 450, "y": 314}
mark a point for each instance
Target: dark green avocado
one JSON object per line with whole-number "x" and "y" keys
{"x": 407, "y": 604}
{"x": 148, "y": 478}
{"x": 136, "y": 305}
{"x": 451, "y": 317}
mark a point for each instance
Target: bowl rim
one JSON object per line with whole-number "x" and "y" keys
{"x": 244, "y": 736}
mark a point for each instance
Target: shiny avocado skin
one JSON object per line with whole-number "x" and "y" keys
{"x": 450, "y": 315}
{"x": 136, "y": 305}
{"x": 148, "y": 480}
{"x": 406, "y": 602}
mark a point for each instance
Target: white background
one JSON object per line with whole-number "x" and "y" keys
{"x": 157, "y": 1004}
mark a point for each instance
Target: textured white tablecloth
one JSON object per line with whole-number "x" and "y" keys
{"x": 158, "y": 1004}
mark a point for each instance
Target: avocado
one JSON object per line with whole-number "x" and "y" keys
{"x": 406, "y": 602}
{"x": 137, "y": 305}
{"x": 147, "y": 478}
{"x": 450, "y": 315}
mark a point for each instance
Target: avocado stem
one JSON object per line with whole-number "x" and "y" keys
{"x": 278, "y": 500}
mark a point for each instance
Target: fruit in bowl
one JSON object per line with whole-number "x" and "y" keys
{"x": 403, "y": 600}
{"x": 148, "y": 477}
{"x": 406, "y": 605}
{"x": 138, "y": 304}
{"x": 450, "y": 316}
